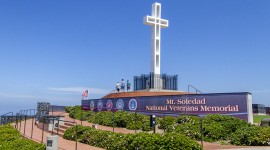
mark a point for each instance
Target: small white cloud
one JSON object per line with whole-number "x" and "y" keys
{"x": 78, "y": 90}
{"x": 8, "y": 95}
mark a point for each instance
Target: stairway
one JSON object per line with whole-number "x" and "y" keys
{"x": 62, "y": 128}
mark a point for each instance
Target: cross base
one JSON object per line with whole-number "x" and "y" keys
{"x": 155, "y": 82}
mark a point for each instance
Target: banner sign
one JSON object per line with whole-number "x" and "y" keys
{"x": 198, "y": 104}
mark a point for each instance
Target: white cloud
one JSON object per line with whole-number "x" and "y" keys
{"x": 78, "y": 90}
{"x": 8, "y": 95}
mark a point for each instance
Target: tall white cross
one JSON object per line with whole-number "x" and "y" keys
{"x": 156, "y": 22}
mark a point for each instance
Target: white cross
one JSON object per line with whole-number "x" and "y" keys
{"x": 156, "y": 22}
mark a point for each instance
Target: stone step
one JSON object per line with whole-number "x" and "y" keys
{"x": 60, "y": 130}
{"x": 69, "y": 124}
{"x": 55, "y": 133}
{"x": 64, "y": 127}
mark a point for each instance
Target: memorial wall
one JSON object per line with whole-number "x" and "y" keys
{"x": 234, "y": 104}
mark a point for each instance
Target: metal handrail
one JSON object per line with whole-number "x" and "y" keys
{"x": 26, "y": 110}
{"x": 194, "y": 88}
{"x": 7, "y": 114}
{"x": 76, "y": 146}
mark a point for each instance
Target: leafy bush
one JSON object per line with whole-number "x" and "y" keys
{"x": 11, "y": 139}
{"x": 220, "y": 127}
{"x": 68, "y": 109}
{"x": 189, "y": 126}
{"x": 112, "y": 141}
{"x": 251, "y": 135}
{"x": 76, "y": 113}
{"x": 123, "y": 119}
{"x": 161, "y": 141}
{"x": 215, "y": 127}
{"x": 167, "y": 123}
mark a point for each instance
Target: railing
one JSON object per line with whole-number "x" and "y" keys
{"x": 21, "y": 119}
{"x": 197, "y": 91}
{"x": 58, "y": 120}
{"x": 55, "y": 108}
{"x": 6, "y": 118}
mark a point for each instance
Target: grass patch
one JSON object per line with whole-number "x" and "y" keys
{"x": 11, "y": 139}
{"x": 258, "y": 119}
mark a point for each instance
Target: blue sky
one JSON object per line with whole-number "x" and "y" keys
{"x": 53, "y": 50}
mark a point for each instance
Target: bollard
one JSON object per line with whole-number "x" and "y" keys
{"x": 94, "y": 126}
{"x": 42, "y": 132}
{"x": 24, "y": 124}
{"x": 153, "y": 122}
{"x": 32, "y": 127}
{"x": 113, "y": 121}
{"x": 52, "y": 142}
{"x": 53, "y": 126}
{"x": 58, "y": 126}
{"x": 135, "y": 121}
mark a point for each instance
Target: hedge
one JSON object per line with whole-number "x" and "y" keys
{"x": 251, "y": 135}
{"x": 11, "y": 139}
{"x": 143, "y": 140}
{"x": 215, "y": 127}
{"x": 122, "y": 119}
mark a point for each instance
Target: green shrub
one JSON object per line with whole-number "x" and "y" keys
{"x": 215, "y": 127}
{"x": 76, "y": 113}
{"x": 167, "y": 123}
{"x": 68, "y": 109}
{"x": 11, "y": 139}
{"x": 220, "y": 127}
{"x": 143, "y": 140}
{"x": 189, "y": 126}
{"x": 138, "y": 121}
{"x": 71, "y": 134}
{"x": 251, "y": 135}
{"x": 122, "y": 119}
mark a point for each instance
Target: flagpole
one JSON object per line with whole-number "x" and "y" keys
{"x": 81, "y": 112}
{"x": 85, "y": 94}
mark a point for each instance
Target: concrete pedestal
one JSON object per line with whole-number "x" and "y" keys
{"x": 94, "y": 126}
{"x": 52, "y": 142}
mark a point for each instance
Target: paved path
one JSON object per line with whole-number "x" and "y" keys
{"x": 254, "y": 148}
{"x": 206, "y": 145}
{"x": 63, "y": 144}
{"x": 70, "y": 145}
{"x": 101, "y": 127}
{"x": 216, "y": 146}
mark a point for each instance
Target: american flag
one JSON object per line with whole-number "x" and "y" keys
{"x": 85, "y": 93}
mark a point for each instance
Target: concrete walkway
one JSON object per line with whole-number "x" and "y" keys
{"x": 63, "y": 144}
{"x": 254, "y": 148}
{"x": 206, "y": 145}
{"x": 70, "y": 145}
{"x": 101, "y": 127}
